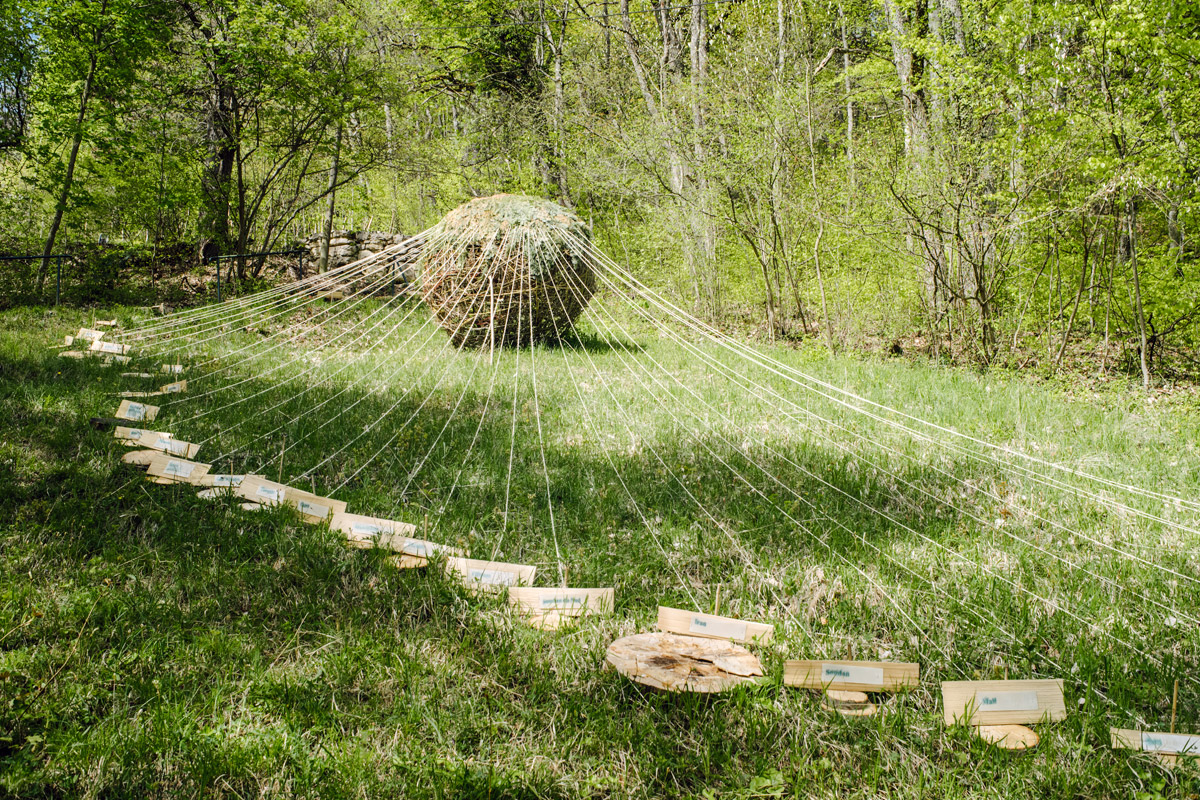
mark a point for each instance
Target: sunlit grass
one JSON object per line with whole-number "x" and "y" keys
{"x": 155, "y": 643}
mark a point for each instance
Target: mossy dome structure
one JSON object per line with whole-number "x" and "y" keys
{"x": 507, "y": 269}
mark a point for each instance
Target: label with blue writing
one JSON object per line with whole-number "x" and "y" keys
{"x": 180, "y": 469}
{"x": 718, "y": 628}
{"x": 227, "y": 480}
{"x": 844, "y": 673}
{"x": 1006, "y": 701}
{"x": 1171, "y": 743}
{"x": 496, "y": 576}
{"x": 313, "y": 509}
{"x": 270, "y": 493}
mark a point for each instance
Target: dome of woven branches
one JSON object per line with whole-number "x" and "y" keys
{"x": 507, "y": 269}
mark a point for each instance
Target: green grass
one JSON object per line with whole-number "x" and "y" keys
{"x": 156, "y": 644}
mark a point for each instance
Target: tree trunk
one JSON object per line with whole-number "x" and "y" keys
{"x": 323, "y": 257}
{"x": 60, "y": 206}
{"x": 1143, "y": 356}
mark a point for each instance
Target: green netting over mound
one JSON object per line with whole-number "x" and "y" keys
{"x": 507, "y": 268}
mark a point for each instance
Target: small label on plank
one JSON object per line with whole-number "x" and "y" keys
{"x": 421, "y": 549}
{"x": 496, "y": 576}
{"x": 172, "y": 369}
{"x": 101, "y": 346}
{"x": 174, "y": 388}
{"x": 227, "y": 480}
{"x": 135, "y": 411}
{"x": 564, "y": 601}
{"x": 844, "y": 673}
{"x": 1006, "y": 701}
{"x": 135, "y": 434}
{"x": 1170, "y": 743}
{"x": 313, "y": 509}
{"x": 270, "y": 493}
{"x": 723, "y": 629}
{"x": 365, "y": 528}
{"x": 181, "y": 469}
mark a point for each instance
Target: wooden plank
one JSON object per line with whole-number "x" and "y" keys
{"x": 369, "y": 532}
{"x": 136, "y": 412}
{"x": 139, "y": 458}
{"x": 72, "y": 354}
{"x": 110, "y": 360}
{"x": 709, "y": 626}
{"x": 1156, "y": 742}
{"x": 173, "y": 369}
{"x": 860, "y": 676}
{"x": 222, "y": 480}
{"x": 140, "y": 394}
{"x": 490, "y": 575}
{"x": 172, "y": 469}
{"x": 173, "y": 388}
{"x": 1011, "y": 702}
{"x": 562, "y": 602}
{"x": 156, "y": 440}
{"x": 312, "y": 507}
{"x": 138, "y": 375}
{"x": 112, "y": 348}
{"x": 88, "y": 335}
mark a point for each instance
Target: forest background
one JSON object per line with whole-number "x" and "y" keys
{"x": 1006, "y": 182}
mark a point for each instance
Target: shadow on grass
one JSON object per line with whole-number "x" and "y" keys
{"x": 184, "y": 642}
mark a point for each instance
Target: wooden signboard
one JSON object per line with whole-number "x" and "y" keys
{"x": 68, "y": 340}
{"x": 72, "y": 354}
{"x": 166, "y": 468}
{"x": 107, "y": 323}
{"x": 223, "y": 481}
{"x": 858, "y": 676}
{"x": 563, "y": 602}
{"x": 490, "y": 575}
{"x": 312, "y": 507}
{"x": 709, "y": 626}
{"x": 89, "y": 335}
{"x": 683, "y": 663}
{"x": 136, "y": 412}
{"x": 173, "y": 388}
{"x": 156, "y": 440}
{"x": 139, "y": 394}
{"x": 173, "y": 369}
{"x": 1003, "y": 702}
{"x": 112, "y": 348}
{"x": 1168, "y": 747}
{"x": 110, "y": 360}
{"x": 137, "y": 375}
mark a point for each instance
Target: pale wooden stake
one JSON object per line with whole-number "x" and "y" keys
{"x": 717, "y": 602}
{"x": 1174, "y": 704}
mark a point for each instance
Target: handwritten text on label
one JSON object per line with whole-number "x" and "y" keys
{"x": 844, "y": 673}
{"x": 1006, "y": 701}
{"x": 721, "y": 628}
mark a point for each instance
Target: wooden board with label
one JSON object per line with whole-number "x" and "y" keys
{"x": 490, "y": 575}
{"x": 312, "y": 507}
{"x": 156, "y": 440}
{"x": 1003, "y": 702}
{"x": 72, "y": 354}
{"x": 222, "y": 480}
{"x": 369, "y": 532}
{"x": 1167, "y": 747}
{"x": 110, "y": 360}
{"x": 709, "y": 626}
{"x": 136, "y": 412}
{"x": 88, "y": 335}
{"x": 112, "y": 348}
{"x": 860, "y": 676}
{"x": 563, "y": 602}
{"x": 172, "y": 469}
{"x": 173, "y": 388}
{"x": 173, "y": 369}
{"x": 138, "y": 375}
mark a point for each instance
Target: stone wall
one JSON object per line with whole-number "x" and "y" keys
{"x": 348, "y": 246}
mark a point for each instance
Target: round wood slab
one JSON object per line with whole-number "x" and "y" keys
{"x": 849, "y": 704}
{"x": 139, "y": 458}
{"x": 1008, "y": 737}
{"x": 683, "y": 663}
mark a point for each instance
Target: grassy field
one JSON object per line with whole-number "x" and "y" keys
{"x": 156, "y": 644}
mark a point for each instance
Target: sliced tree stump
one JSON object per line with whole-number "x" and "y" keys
{"x": 683, "y": 663}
